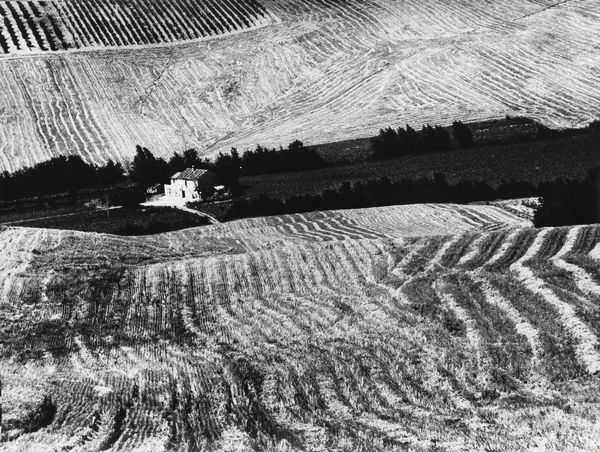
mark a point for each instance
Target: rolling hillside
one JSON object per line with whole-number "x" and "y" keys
{"x": 432, "y": 327}
{"x": 314, "y": 70}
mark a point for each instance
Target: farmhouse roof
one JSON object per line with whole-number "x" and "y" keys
{"x": 190, "y": 174}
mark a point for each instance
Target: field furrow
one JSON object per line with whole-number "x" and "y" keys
{"x": 312, "y": 70}
{"x": 360, "y": 329}
{"x": 587, "y": 346}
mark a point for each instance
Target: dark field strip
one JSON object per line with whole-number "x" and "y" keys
{"x": 558, "y": 354}
{"x": 52, "y": 26}
{"x": 419, "y": 261}
{"x": 515, "y": 251}
{"x": 457, "y": 250}
{"x": 507, "y": 350}
{"x": 489, "y": 245}
{"x": 562, "y": 283}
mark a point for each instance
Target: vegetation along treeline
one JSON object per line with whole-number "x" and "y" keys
{"x": 60, "y": 174}
{"x": 398, "y": 142}
{"x": 394, "y": 143}
{"x": 147, "y": 170}
{"x": 564, "y": 202}
{"x": 64, "y": 174}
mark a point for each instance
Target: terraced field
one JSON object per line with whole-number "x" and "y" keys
{"x": 321, "y": 70}
{"x": 420, "y": 327}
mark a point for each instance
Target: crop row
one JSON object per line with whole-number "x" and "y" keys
{"x": 303, "y": 286}
{"x": 52, "y": 26}
{"x": 233, "y": 349}
{"x": 26, "y": 26}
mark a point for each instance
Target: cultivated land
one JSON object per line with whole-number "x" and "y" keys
{"x": 42, "y": 26}
{"x": 432, "y": 326}
{"x": 314, "y": 70}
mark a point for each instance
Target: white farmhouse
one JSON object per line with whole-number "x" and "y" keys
{"x": 191, "y": 183}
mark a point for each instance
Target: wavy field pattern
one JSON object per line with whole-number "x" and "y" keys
{"x": 304, "y": 332}
{"x": 328, "y": 70}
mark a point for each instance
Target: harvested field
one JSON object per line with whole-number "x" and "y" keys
{"x": 320, "y": 71}
{"x": 340, "y": 330}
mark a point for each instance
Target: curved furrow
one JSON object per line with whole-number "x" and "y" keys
{"x": 587, "y": 342}
{"x": 449, "y": 301}
{"x": 583, "y": 280}
{"x": 521, "y": 324}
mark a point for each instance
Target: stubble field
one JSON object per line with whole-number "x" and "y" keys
{"x": 315, "y": 70}
{"x": 431, "y": 327}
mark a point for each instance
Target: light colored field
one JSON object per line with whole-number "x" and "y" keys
{"x": 329, "y": 70}
{"x": 380, "y": 329}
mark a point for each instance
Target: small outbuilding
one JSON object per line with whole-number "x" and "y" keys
{"x": 191, "y": 184}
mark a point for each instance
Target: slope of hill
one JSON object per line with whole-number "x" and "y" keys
{"x": 420, "y": 327}
{"x": 330, "y": 70}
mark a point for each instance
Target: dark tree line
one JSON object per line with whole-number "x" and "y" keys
{"x": 462, "y": 134}
{"x": 564, "y": 202}
{"x": 295, "y": 157}
{"x": 65, "y": 174}
{"x": 57, "y": 175}
{"x": 147, "y": 169}
{"x": 381, "y": 192}
{"x": 162, "y": 224}
{"x": 392, "y": 143}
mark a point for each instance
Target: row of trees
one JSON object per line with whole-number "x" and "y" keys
{"x": 57, "y": 175}
{"x": 391, "y": 143}
{"x": 564, "y": 202}
{"x": 65, "y": 174}
{"x": 147, "y": 170}
{"x": 381, "y": 192}
{"x": 295, "y": 157}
